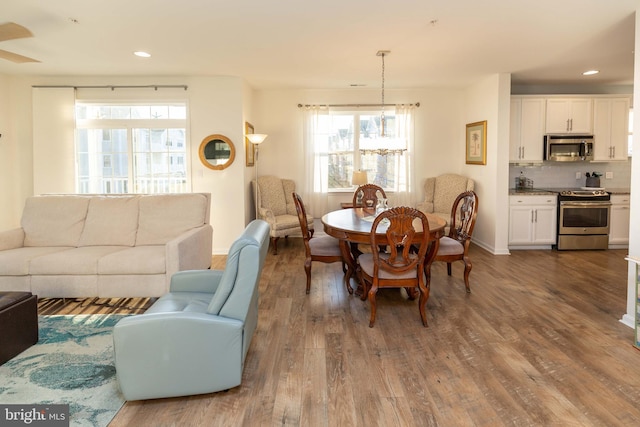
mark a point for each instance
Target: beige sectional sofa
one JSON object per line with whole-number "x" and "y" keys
{"x": 105, "y": 245}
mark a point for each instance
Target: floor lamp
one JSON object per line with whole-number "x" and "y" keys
{"x": 256, "y": 139}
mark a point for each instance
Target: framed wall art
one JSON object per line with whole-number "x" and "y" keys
{"x": 476, "y": 148}
{"x": 249, "y": 148}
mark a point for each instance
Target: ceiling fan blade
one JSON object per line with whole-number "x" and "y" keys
{"x": 11, "y": 30}
{"x": 14, "y": 57}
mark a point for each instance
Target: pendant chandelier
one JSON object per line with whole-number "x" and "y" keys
{"x": 382, "y": 53}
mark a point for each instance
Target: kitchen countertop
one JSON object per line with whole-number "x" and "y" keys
{"x": 547, "y": 191}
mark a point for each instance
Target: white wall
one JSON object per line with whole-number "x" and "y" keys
{"x": 634, "y": 227}
{"x": 16, "y": 149}
{"x": 439, "y": 133}
{"x": 489, "y": 100}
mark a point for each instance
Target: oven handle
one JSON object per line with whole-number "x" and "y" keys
{"x": 584, "y": 204}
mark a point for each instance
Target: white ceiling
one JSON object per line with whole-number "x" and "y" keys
{"x": 329, "y": 43}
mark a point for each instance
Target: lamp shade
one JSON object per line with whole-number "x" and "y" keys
{"x": 359, "y": 178}
{"x": 256, "y": 138}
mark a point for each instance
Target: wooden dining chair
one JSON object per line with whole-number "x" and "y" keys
{"x": 455, "y": 246}
{"x": 319, "y": 248}
{"x": 400, "y": 267}
{"x": 370, "y": 197}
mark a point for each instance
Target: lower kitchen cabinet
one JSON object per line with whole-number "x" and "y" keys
{"x": 619, "y": 220}
{"x": 532, "y": 221}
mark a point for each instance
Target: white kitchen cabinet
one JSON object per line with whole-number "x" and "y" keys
{"x": 532, "y": 221}
{"x": 569, "y": 115}
{"x": 619, "y": 220}
{"x": 527, "y": 129}
{"x": 610, "y": 128}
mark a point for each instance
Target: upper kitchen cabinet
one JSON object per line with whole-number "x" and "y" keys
{"x": 527, "y": 129}
{"x": 610, "y": 128}
{"x": 569, "y": 115}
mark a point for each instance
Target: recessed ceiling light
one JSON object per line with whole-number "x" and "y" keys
{"x": 142, "y": 54}
{"x": 590, "y": 72}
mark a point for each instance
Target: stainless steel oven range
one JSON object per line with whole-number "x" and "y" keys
{"x": 583, "y": 219}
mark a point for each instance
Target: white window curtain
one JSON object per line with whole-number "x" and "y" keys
{"x": 315, "y": 193}
{"x": 406, "y": 194}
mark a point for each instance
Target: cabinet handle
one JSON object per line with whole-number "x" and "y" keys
{"x": 614, "y": 152}
{"x": 568, "y": 127}
{"x": 532, "y": 216}
{"x": 536, "y": 211}
{"x": 522, "y": 157}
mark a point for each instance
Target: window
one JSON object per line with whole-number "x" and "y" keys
{"x": 348, "y": 141}
{"x": 131, "y": 148}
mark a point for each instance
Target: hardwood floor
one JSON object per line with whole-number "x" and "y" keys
{"x": 538, "y": 342}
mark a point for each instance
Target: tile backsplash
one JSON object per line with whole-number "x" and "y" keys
{"x": 563, "y": 175}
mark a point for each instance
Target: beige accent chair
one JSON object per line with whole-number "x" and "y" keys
{"x": 441, "y": 192}
{"x": 276, "y": 206}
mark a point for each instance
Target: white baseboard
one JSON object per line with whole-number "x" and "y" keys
{"x": 628, "y": 320}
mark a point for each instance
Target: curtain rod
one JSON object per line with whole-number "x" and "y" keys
{"x": 113, "y": 87}
{"x": 417, "y": 104}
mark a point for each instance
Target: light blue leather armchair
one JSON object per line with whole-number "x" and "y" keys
{"x": 195, "y": 339}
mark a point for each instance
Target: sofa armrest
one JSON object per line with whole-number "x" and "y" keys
{"x": 176, "y": 354}
{"x": 11, "y": 239}
{"x": 196, "y": 281}
{"x": 189, "y": 251}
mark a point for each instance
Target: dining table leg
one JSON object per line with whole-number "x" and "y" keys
{"x": 349, "y": 260}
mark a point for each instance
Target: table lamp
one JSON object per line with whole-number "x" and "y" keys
{"x": 359, "y": 178}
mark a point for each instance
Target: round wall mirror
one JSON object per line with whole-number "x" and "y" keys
{"x": 217, "y": 152}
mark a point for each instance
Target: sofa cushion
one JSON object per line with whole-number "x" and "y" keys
{"x": 272, "y": 195}
{"x": 111, "y": 221}
{"x": 135, "y": 260}
{"x": 163, "y": 218}
{"x": 75, "y": 261}
{"x": 16, "y": 262}
{"x": 54, "y": 220}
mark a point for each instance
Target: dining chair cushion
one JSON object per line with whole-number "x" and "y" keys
{"x": 449, "y": 246}
{"x": 324, "y": 246}
{"x": 366, "y": 264}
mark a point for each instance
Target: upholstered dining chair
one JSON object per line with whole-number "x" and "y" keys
{"x": 400, "y": 267}
{"x": 369, "y": 198}
{"x": 366, "y": 195}
{"x": 455, "y": 246}
{"x": 319, "y": 248}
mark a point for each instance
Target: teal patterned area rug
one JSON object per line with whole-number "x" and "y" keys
{"x": 72, "y": 363}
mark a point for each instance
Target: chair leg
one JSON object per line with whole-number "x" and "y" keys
{"x": 467, "y": 271}
{"x": 449, "y": 268}
{"x": 274, "y": 242}
{"x": 372, "y": 302}
{"x": 307, "y": 269}
{"x": 424, "y": 296}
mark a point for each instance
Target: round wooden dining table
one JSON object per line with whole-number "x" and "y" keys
{"x": 353, "y": 226}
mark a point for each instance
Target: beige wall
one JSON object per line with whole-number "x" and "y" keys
{"x": 215, "y": 106}
{"x": 223, "y": 104}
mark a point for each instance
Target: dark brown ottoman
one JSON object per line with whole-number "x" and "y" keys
{"x": 18, "y": 323}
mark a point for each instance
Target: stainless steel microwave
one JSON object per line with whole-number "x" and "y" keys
{"x": 568, "y": 148}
